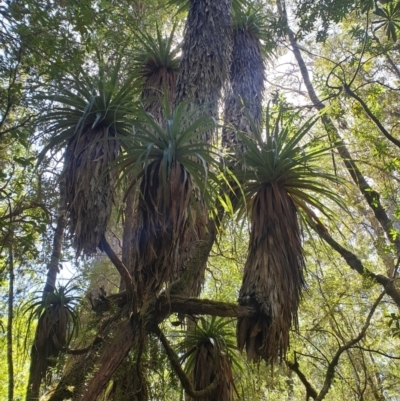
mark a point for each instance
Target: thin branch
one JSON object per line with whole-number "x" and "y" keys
{"x": 372, "y": 197}
{"x": 356, "y": 264}
{"x": 375, "y": 351}
{"x": 122, "y": 270}
{"x": 332, "y": 365}
{"x": 6, "y": 131}
{"x": 372, "y": 116}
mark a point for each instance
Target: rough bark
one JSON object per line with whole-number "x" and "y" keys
{"x": 206, "y": 53}
{"x": 193, "y": 269}
{"x": 53, "y": 268}
{"x": 247, "y": 76}
{"x": 153, "y": 92}
{"x": 111, "y": 357}
{"x": 180, "y": 304}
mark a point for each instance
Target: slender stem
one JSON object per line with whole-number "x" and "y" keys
{"x": 10, "y": 325}
{"x": 355, "y": 263}
{"x": 53, "y": 266}
{"x": 371, "y": 116}
{"x": 310, "y": 389}
{"x": 35, "y": 373}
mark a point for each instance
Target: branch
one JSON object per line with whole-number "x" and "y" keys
{"x": 175, "y": 304}
{"x": 330, "y": 373}
{"x": 6, "y": 131}
{"x": 185, "y": 381}
{"x": 122, "y": 270}
{"x": 194, "y": 306}
{"x": 310, "y": 389}
{"x": 356, "y": 264}
{"x": 375, "y": 351}
{"x": 54, "y": 264}
{"x": 371, "y": 116}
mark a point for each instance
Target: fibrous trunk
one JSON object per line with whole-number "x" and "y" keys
{"x": 50, "y": 338}
{"x": 203, "y": 72}
{"x": 247, "y": 75}
{"x": 273, "y": 276}
{"x": 162, "y": 222}
{"x": 206, "y": 55}
{"x": 210, "y": 365}
{"x": 90, "y": 183}
{"x": 164, "y": 80}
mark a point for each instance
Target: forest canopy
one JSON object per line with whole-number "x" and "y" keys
{"x": 199, "y": 200}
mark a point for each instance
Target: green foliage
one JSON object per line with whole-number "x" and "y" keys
{"x": 217, "y": 331}
{"x": 57, "y": 315}
{"x": 389, "y": 19}
{"x": 42, "y": 42}
{"x": 92, "y": 102}
{"x": 281, "y": 160}
{"x": 324, "y": 14}
{"x": 177, "y": 142}
{"x": 155, "y": 53}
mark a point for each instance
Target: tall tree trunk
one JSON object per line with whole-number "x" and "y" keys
{"x": 39, "y": 363}
{"x": 206, "y": 53}
{"x": 10, "y": 320}
{"x": 247, "y": 75}
{"x": 204, "y": 70}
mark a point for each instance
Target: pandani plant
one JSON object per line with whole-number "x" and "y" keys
{"x": 156, "y": 64}
{"x": 58, "y": 322}
{"x": 90, "y": 118}
{"x": 168, "y": 162}
{"x": 252, "y": 46}
{"x": 283, "y": 182}
{"x": 209, "y": 352}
